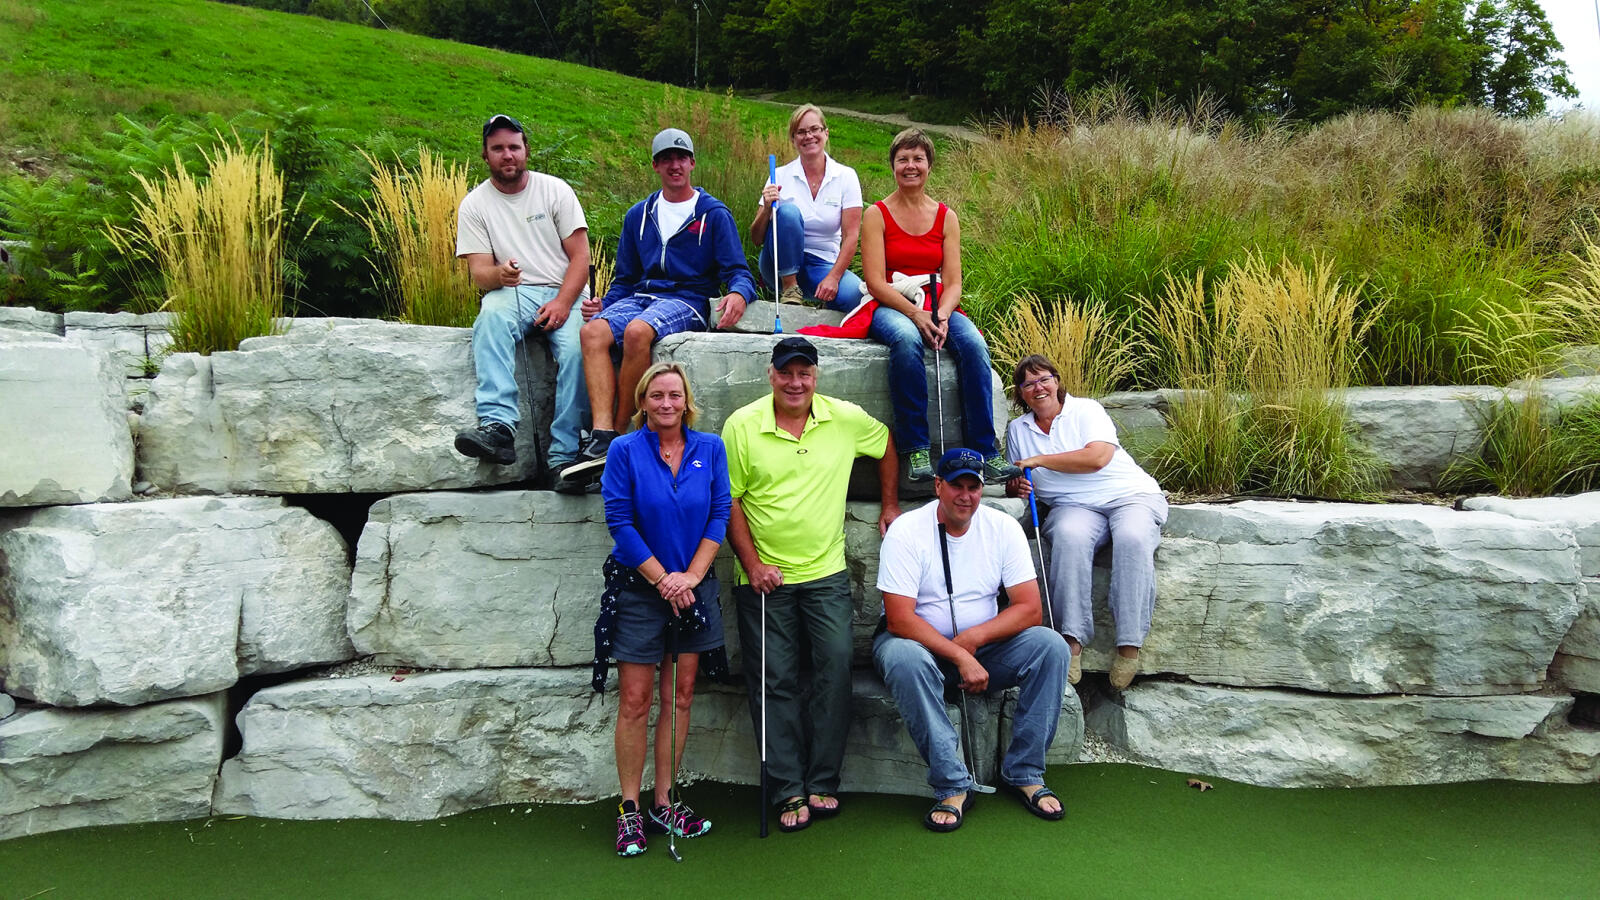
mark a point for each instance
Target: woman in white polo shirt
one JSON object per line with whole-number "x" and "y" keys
{"x": 1096, "y": 493}
{"x": 819, "y": 219}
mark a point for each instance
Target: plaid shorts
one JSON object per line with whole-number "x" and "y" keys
{"x": 667, "y": 315}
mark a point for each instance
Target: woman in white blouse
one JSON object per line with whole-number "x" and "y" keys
{"x": 818, "y": 202}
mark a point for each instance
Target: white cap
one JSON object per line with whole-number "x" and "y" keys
{"x": 671, "y": 139}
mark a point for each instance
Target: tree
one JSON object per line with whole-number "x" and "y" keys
{"x": 1517, "y": 63}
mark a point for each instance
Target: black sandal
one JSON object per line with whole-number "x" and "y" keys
{"x": 941, "y": 807}
{"x": 1032, "y": 803}
{"x": 794, "y": 805}
{"x": 823, "y": 812}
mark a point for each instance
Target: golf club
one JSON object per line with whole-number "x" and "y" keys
{"x": 765, "y": 788}
{"x": 672, "y": 777}
{"x": 965, "y": 735}
{"x": 777, "y": 290}
{"x": 938, "y": 381}
{"x": 1038, "y": 542}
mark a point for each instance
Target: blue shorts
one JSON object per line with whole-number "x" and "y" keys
{"x": 667, "y": 315}
{"x": 640, "y": 632}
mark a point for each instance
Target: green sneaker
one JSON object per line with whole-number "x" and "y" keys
{"x": 919, "y": 466}
{"x": 996, "y": 470}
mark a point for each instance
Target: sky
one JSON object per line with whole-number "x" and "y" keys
{"x": 1579, "y": 33}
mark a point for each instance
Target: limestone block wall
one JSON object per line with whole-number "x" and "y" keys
{"x": 1293, "y": 644}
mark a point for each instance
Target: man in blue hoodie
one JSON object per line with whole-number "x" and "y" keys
{"x": 679, "y": 248}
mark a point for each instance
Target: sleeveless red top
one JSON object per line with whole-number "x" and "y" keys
{"x": 912, "y": 254}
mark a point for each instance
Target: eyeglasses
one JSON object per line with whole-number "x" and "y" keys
{"x": 1038, "y": 382}
{"x": 813, "y": 130}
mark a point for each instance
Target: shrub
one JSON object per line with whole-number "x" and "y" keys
{"x": 218, "y": 244}
{"x": 1530, "y": 448}
{"x": 1262, "y": 363}
{"x": 412, "y": 220}
{"x": 1085, "y": 344}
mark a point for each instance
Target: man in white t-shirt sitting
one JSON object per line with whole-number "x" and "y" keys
{"x": 941, "y": 570}
{"x": 526, "y": 244}
{"x": 679, "y": 249}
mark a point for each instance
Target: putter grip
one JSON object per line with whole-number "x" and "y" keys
{"x": 772, "y": 168}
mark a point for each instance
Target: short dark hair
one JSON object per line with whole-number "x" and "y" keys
{"x": 1034, "y": 363}
{"x": 912, "y": 138}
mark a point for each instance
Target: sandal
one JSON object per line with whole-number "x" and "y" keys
{"x": 823, "y": 812}
{"x": 1032, "y": 803}
{"x": 794, "y": 805}
{"x": 941, "y": 807}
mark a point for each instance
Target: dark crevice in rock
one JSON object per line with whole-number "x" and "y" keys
{"x": 238, "y": 695}
{"x": 1585, "y": 710}
{"x": 345, "y": 512}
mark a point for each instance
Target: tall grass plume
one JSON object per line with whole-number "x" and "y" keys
{"x": 1087, "y": 345}
{"x": 218, "y": 243}
{"x": 412, "y": 219}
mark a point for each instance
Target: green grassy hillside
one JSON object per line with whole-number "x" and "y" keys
{"x": 67, "y": 67}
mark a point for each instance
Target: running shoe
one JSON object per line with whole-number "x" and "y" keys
{"x": 630, "y": 830}
{"x": 685, "y": 821}
{"x": 919, "y": 466}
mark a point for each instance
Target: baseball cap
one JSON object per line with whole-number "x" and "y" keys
{"x": 501, "y": 120}
{"x": 671, "y": 139}
{"x": 960, "y": 461}
{"x": 792, "y": 348}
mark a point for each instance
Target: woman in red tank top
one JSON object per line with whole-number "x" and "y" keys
{"x": 907, "y": 235}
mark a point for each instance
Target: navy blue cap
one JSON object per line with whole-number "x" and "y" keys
{"x": 499, "y": 121}
{"x": 960, "y": 461}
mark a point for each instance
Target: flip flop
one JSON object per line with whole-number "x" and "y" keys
{"x": 959, "y": 812}
{"x": 1032, "y": 803}
{"x": 824, "y": 812}
{"x": 794, "y": 805}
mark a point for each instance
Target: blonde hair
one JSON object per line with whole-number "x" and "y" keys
{"x": 800, "y": 112}
{"x": 690, "y": 411}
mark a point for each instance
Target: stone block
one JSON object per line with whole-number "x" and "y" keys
{"x": 64, "y": 421}
{"x": 512, "y": 578}
{"x": 1279, "y": 738}
{"x": 1362, "y": 599}
{"x": 63, "y": 768}
{"x": 1577, "y": 663}
{"x": 28, "y": 319}
{"x": 7, "y": 706}
{"x": 757, "y": 318}
{"x": 137, "y": 602}
{"x": 350, "y": 408}
{"x": 136, "y": 343}
{"x": 442, "y": 742}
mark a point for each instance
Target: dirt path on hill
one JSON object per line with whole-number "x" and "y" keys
{"x": 960, "y": 132}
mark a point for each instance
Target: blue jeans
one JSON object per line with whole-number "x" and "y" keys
{"x": 1034, "y": 659}
{"x": 502, "y": 322}
{"x": 811, "y": 269}
{"x": 908, "y": 381}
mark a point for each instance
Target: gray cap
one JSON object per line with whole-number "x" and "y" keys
{"x": 671, "y": 139}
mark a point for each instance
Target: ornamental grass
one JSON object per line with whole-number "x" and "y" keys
{"x": 412, "y": 219}
{"x": 1086, "y": 344}
{"x": 218, "y": 243}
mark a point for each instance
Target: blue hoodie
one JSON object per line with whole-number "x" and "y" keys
{"x": 694, "y": 263}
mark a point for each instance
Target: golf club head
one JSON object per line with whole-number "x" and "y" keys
{"x": 982, "y": 788}
{"x": 672, "y": 848}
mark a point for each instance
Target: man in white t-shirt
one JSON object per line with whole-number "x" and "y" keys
{"x": 526, "y": 244}
{"x": 678, "y": 251}
{"x": 941, "y": 569}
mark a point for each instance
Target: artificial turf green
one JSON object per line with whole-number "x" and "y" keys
{"x": 1129, "y": 831}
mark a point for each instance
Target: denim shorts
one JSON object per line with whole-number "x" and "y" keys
{"x": 640, "y": 632}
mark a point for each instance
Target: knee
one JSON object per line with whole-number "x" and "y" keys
{"x": 900, "y": 659}
{"x": 634, "y": 703}
{"x": 637, "y": 338}
{"x": 789, "y": 217}
{"x": 496, "y": 311}
{"x": 595, "y": 336}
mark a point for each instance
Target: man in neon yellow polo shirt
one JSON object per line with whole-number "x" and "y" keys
{"x": 789, "y": 458}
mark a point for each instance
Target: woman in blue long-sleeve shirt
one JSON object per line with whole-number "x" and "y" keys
{"x": 667, "y": 504}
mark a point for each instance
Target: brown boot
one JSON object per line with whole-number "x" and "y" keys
{"x": 1123, "y": 669}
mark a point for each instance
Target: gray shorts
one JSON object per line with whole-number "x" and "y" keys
{"x": 640, "y": 632}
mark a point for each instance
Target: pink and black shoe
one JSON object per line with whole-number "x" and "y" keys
{"x": 630, "y": 830}
{"x": 683, "y": 820}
